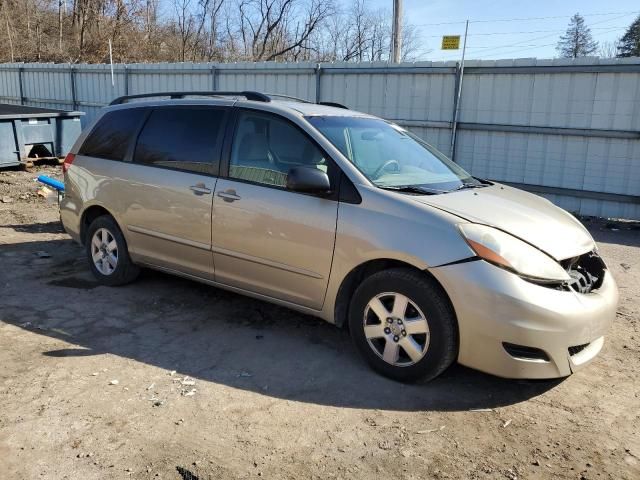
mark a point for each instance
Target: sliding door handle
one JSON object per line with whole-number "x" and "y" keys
{"x": 200, "y": 189}
{"x": 229, "y": 196}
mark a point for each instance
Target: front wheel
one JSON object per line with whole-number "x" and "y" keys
{"x": 403, "y": 325}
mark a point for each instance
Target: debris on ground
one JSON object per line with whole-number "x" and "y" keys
{"x": 114, "y": 382}
{"x": 44, "y": 191}
{"x": 431, "y": 430}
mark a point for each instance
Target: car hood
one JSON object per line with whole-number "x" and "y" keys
{"x": 524, "y": 215}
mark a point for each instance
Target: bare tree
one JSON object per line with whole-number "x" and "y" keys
{"x": 186, "y": 25}
{"x": 412, "y": 46}
{"x": 608, "y": 49}
{"x": 198, "y": 30}
{"x": 269, "y": 28}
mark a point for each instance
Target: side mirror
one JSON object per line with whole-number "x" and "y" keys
{"x": 308, "y": 180}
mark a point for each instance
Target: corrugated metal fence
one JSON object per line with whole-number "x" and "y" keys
{"x": 567, "y": 129}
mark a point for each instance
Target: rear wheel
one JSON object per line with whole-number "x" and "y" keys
{"x": 107, "y": 253}
{"x": 403, "y": 325}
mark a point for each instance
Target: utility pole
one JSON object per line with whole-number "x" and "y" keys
{"x": 396, "y": 40}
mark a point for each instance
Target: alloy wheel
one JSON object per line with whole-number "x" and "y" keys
{"x": 396, "y": 329}
{"x": 104, "y": 251}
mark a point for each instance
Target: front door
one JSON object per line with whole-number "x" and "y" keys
{"x": 267, "y": 239}
{"x": 171, "y": 181}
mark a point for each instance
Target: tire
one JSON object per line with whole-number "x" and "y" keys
{"x": 105, "y": 240}
{"x": 422, "y": 342}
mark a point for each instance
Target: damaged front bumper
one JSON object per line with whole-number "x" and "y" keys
{"x": 517, "y": 329}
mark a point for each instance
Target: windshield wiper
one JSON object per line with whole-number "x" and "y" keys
{"x": 412, "y": 189}
{"x": 468, "y": 185}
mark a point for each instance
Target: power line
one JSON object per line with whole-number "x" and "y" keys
{"x": 528, "y": 40}
{"x": 490, "y": 34}
{"x": 530, "y": 48}
{"x": 526, "y": 48}
{"x": 536, "y": 45}
{"x": 522, "y": 19}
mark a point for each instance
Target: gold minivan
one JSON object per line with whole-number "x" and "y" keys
{"x": 344, "y": 216}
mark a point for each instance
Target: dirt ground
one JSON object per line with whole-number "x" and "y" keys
{"x": 166, "y": 378}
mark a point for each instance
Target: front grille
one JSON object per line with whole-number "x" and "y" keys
{"x": 577, "y": 349}
{"x": 529, "y": 353}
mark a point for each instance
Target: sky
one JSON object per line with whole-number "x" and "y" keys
{"x": 510, "y": 28}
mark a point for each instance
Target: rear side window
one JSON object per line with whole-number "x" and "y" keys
{"x": 182, "y": 139}
{"x": 112, "y": 136}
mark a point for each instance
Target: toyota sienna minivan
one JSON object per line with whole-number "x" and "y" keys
{"x": 344, "y": 216}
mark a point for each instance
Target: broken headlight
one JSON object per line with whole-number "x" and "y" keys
{"x": 511, "y": 253}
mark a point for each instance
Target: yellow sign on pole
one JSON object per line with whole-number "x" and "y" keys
{"x": 450, "y": 42}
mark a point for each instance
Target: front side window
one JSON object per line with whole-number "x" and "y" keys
{"x": 390, "y": 156}
{"x": 266, "y": 147}
{"x": 182, "y": 139}
{"x": 113, "y": 134}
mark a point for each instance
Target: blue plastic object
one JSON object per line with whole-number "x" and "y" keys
{"x": 52, "y": 182}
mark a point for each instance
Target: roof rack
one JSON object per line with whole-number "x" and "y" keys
{"x": 249, "y": 95}
{"x": 256, "y": 96}
{"x": 302, "y": 100}
{"x": 287, "y": 97}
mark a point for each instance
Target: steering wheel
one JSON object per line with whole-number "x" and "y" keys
{"x": 384, "y": 166}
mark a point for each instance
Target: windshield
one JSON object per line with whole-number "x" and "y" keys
{"x": 392, "y": 157}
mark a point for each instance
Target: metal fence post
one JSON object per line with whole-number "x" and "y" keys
{"x": 460, "y": 77}
{"x": 318, "y": 74}
{"x": 126, "y": 80}
{"x": 74, "y": 99}
{"x": 454, "y": 115}
{"x": 20, "y": 70}
{"x": 214, "y": 78}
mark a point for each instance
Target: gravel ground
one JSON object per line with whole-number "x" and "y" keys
{"x": 165, "y": 378}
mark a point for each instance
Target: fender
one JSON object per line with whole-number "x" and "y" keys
{"x": 411, "y": 232}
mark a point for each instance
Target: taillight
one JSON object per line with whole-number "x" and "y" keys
{"x": 68, "y": 160}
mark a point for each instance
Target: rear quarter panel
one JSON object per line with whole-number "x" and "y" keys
{"x": 87, "y": 180}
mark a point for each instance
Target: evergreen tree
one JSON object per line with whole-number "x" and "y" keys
{"x": 577, "y": 41}
{"x": 629, "y": 45}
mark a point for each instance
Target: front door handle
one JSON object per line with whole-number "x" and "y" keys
{"x": 229, "y": 195}
{"x": 200, "y": 189}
